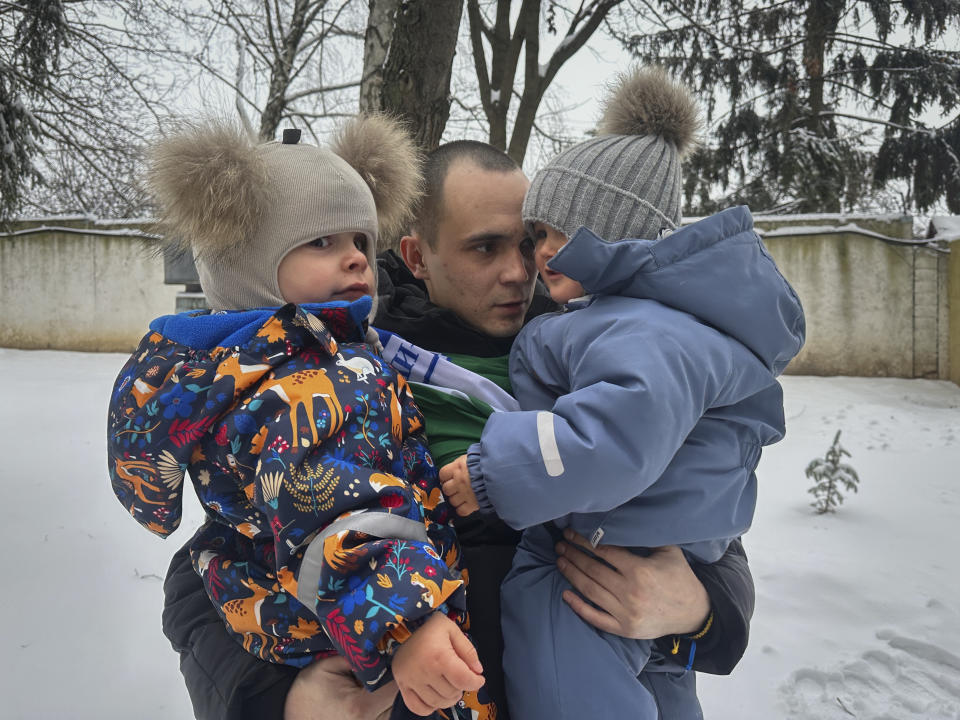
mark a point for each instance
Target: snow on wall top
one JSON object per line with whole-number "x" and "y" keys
{"x": 81, "y": 224}
{"x": 944, "y": 228}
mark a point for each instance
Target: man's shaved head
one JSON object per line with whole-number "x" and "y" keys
{"x": 436, "y": 167}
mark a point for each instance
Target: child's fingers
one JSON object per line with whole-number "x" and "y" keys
{"x": 453, "y": 495}
{"x": 461, "y": 500}
{"x": 452, "y": 468}
{"x": 414, "y": 703}
{"x": 461, "y": 666}
{"x": 439, "y": 694}
{"x": 464, "y": 508}
{"x": 464, "y": 503}
{"x": 466, "y": 652}
{"x": 450, "y": 486}
{"x": 460, "y": 495}
{"x": 459, "y": 675}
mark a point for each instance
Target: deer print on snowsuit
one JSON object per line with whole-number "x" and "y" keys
{"x": 328, "y": 531}
{"x": 287, "y": 389}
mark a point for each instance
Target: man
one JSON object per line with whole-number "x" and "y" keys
{"x": 464, "y": 285}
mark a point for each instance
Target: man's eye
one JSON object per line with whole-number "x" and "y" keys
{"x": 321, "y": 242}
{"x": 527, "y": 246}
{"x": 484, "y": 248}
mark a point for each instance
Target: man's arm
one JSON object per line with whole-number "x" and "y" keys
{"x": 729, "y": 584}
{"x": 224, "y": 681}
{"x": 666, "y": 598}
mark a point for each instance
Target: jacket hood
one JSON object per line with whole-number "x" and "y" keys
{"x": 717, "y": 270}
{"x": 206, "y": 330}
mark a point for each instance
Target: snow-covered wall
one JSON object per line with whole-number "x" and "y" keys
{"x": 953, "y": 300}
{"x": 878, "y": 302}
{"x": 79, "y": 284}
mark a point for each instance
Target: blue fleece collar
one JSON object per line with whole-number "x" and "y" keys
{"x": 205, "y": 330}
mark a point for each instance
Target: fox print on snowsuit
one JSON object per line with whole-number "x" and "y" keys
{"x": 326, "y": 529}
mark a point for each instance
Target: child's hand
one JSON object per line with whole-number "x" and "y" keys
{"x": 435, "y": 665}
{"x": 455, "y": 481}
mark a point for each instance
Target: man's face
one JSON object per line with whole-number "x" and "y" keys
{"x": 481, "y": 265}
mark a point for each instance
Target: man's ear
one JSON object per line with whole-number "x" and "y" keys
{"x": 411, "y": 251}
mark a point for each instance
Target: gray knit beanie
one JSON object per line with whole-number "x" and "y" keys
{"x": 625, "y": 183}
{"x": 240, "y": 207}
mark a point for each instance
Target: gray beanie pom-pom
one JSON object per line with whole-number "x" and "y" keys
{"x": 648, "y": 101}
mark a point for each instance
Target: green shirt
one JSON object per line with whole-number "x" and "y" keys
{"x": 454, "y": 422}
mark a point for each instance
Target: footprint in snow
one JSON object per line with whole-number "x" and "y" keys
{"x": 907, "y": 679}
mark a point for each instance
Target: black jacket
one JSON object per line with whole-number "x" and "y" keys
{"x": 226, "y": 682}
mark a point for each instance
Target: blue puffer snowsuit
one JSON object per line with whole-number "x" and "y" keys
{"x": 645, "y": 410}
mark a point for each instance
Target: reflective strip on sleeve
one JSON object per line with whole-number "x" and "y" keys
{"x": 548, "y": 444}
{"x": 377, "y": 524}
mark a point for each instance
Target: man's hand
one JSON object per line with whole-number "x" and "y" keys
{"x": 435, "y": 665}
{"x": 327, "y": 690}
{"x": 639, "y": 597}
{"x": 455, "y": 481}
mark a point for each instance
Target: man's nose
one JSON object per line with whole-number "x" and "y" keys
{"x": 518, "y": 267}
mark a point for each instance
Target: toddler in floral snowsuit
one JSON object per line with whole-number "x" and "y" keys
{"x": 326, "y": 529}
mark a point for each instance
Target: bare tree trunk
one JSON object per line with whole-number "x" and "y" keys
{"x": 822, "y": 19}
{"x": 414, "y": 54}
{"x": 821, "y": 22}
{"x": 497, "y": 85}
{"x": 303, "y": 15}
{"x": 376, "y": 46}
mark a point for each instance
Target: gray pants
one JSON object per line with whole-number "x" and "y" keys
{"x": 558, "y": 667}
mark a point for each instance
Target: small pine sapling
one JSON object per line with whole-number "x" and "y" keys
{"x": 829, "y": 474}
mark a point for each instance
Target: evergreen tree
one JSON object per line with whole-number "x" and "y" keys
{"x": 75, "y": 107}
{"x": 829, "y": 474}
{"x": 34, "y": 33}
{"x": 812, "y": 104}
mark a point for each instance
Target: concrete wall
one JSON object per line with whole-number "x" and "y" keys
{"x": 79, "y": 285}
{"x": 873, "y": 308}
{"x": 953, "y": 300}
{"x": 878, "y": 303}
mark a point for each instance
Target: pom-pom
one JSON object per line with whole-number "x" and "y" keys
{"x": 210, "y": 183}
{"x": 647, "y": 101}
{"x": 382, "y": 152}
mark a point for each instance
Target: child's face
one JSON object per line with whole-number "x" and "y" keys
{"x": 548, "y": 241}
{"x": 333, "y": 267}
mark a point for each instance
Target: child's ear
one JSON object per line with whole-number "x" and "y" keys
{"x": 412, "y": 254}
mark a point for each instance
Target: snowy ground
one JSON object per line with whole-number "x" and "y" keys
{"x": 858, "y": 614}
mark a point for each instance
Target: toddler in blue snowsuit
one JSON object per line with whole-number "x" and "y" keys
{"x": 644, "y": 405}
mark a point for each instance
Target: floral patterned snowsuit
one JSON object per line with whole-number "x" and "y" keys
{"x": 326, "y": 528}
